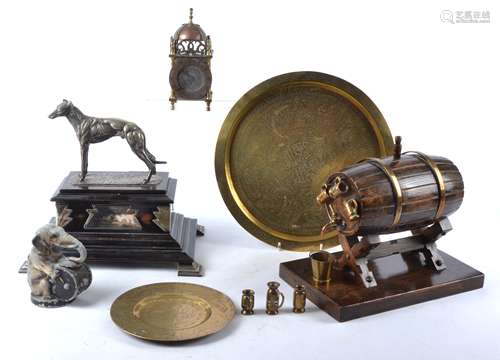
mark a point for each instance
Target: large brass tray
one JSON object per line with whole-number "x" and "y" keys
{"x": 172, "y": 311}
{"x": 281, "y": 141}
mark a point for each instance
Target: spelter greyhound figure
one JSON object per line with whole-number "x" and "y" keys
{"x": 91, "y": 130}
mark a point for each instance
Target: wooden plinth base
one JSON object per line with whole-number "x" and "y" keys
{"x": 120, "y": 220}
{"x": 402, "y": 281}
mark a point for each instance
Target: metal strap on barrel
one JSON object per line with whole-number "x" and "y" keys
{"x": 396, "y": 188}
{"x": 437, "y": 175}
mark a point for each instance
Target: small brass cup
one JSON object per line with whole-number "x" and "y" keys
{"x": 321, "y": 263}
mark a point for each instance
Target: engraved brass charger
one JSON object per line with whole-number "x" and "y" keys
{"x": 278, "y": 145}
{"x": 172, "y": 311}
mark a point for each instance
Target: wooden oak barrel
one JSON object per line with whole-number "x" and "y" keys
{"x": 405, "y": 192}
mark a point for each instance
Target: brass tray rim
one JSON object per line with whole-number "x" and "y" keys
{"x": 217, "y": 295}
{"x": 229, "y": 128}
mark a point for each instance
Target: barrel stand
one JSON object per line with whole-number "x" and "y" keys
{"x": 357, "y": 252}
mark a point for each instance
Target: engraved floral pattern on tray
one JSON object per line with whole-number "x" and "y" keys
{"x": 286, "y": 147}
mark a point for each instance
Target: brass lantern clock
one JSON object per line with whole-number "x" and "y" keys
{"x": 191, "y": 52}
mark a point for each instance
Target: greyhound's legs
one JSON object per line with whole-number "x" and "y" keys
{"x": 84, "y": 149}
{"x": 149, "y": 155}
{"x": 151, "y": 166}
{"x": 137, "y": 142}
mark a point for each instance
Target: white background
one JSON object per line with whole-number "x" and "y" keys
{"x": 436, "y": 84}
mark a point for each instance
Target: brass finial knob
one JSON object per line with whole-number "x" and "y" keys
{"x": 190, "y": 15}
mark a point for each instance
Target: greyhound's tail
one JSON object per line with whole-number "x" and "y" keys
{"x": 153, "y": 158}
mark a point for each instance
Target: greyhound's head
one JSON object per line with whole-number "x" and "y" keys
{"x": 62, "y": 109}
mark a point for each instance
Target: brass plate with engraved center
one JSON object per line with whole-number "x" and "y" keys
{"x": 281, "y": 141}
{"x": 172, "y": 311}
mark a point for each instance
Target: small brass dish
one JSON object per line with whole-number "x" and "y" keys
{"x": 172, "y": 311}
{"x": 281, "y": 141}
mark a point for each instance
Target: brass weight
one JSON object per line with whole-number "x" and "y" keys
{"x": 299, "y": 299}
{"x": 247, "y": 302}
{"x": 273, "y": 298}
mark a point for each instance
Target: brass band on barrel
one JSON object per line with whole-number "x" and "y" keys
{"x": 395, "y": 187}
{"x": 439, "y": 179}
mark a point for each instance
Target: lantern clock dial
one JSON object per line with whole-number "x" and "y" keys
{"x": 191, "y": 79}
